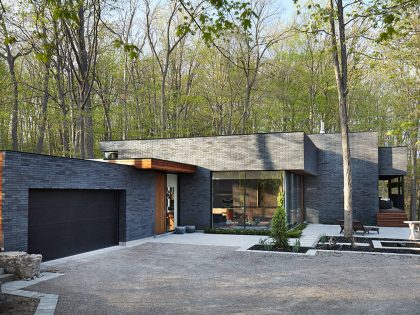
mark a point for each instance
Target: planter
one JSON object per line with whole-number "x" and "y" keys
{"x": 190, "y": 228}
{"x": 180, "y": 230}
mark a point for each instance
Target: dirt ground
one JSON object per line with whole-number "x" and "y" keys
{"x": 16, "y": 305}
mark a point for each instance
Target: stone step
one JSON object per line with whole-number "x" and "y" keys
{"x": 7, "y": 277}
{"x": 391, "y": 219}
{"x": 392, "y": 224}
{"x": 391, "y": 216}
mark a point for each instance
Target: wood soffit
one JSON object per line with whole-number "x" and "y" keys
{"x": 157, "y": 165}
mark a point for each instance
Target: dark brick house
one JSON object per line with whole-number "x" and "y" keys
{"x": 60, "y": 206}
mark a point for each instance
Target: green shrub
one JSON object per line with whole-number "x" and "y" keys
{"x": 296, "y": 232}
{"x": 296, "y": 246}
{"x": 279, "y": 225}
{"x": 237, "y": 231}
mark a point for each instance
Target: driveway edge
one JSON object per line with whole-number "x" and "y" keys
{"x": 47, "y": 302}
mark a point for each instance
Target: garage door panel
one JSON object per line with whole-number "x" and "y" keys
{"x": 54, "y": 205}
{"x": 67, "y": 222}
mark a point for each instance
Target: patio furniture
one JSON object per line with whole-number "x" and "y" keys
{"x": 414, "y": 229}
{"x": 358, "y": 226}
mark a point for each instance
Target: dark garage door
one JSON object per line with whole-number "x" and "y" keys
{"x": 67, "y": 222}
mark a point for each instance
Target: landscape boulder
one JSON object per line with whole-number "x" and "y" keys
{"x": 21, "y": 264}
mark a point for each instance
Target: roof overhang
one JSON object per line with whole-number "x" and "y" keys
{"x": 157, "y": 165}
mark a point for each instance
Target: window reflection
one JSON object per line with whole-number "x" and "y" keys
{"x": 245, "y": 199}
{"x": 249, "y": 199}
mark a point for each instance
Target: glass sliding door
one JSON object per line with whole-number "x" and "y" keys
{"x": 293, "y": 198}
{"x": 228, "y": 199}
{"x": 171, "y": 202}
{"x": 245, "y": 199}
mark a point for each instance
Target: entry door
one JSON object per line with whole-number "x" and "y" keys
{"x": 171, "y": 202}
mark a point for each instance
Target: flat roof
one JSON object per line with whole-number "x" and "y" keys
{"x": 233, "y": 135}
{"x": 156, "y": 164}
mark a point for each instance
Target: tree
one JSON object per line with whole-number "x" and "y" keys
{"x": 279, "y": 229}
{"x": 10, "y": 44}
{"x": 339, "y": 22}
{"x": 401, "y": 66}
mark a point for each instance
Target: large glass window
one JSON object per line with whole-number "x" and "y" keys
{"x": 249, "y": 199}
{"x": 293, "y": 198}
{"x": 245, "y": 199}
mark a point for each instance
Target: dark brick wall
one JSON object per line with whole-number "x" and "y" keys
{"x": 23, "y": 171}
{"x": 324, "y": 193}
{"x": 274, "y": 151}
{"x": 311, "y": 156}
{"x": 318, "y": 154}
{"x": 393, "y": 161}
{"x": 195, "y": 198}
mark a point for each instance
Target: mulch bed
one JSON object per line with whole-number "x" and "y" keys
{"x": 365, "y": 240}
{"x": 18, "y": 305}
{"x": 273, "y": 249}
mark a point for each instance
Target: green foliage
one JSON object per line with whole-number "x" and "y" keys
{"x": 296, "y": 246}
{"x": 237, "y": 231}
{"x": 132, "y": 50}
{"x": 9, "y": 40}
{"x": 296, "y": 232}
{"x": 323, "y": 239}
{"x": 266, "y": 243}
{"x": 279, "y": 225}
{"x": 217, "y": 18}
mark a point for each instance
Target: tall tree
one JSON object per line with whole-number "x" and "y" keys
{"x": 10, "y": 53}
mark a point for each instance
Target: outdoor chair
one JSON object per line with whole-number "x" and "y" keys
{"x": 358, "y": 226}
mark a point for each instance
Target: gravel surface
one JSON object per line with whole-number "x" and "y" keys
{"x": 156, "y": 278}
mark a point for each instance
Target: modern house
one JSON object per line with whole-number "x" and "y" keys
{"x": 60, "y": 206}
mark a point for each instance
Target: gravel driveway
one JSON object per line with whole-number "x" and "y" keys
{"x": 159, "y": 278}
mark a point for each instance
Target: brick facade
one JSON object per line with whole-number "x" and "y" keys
{"x": 318, "y": 157}
{"x": 23, "y": 171}
{"x": 271, "y": 151}
{"x": 393, "y": 161}
{"x": 323, "y": 194}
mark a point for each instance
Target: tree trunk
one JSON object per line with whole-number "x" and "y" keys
{"x": 413, "y": 190}
{"x": 163, "y": 103}
{"x": 10, "y": 59}
{"x": 15, "y": 110}
{"x": 84, "y": 89}
{"x": 44, "y": 105}
{"x": 340, "y": 70}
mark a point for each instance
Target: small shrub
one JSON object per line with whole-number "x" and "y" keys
{"x": 279, "y": 225}
{"x": 237, "y": 231}
{"x": 296, "y": 246}
{"x": 266, "y": 243}
{"x": 323, "y": 239}
{"x": 294, "y": 233}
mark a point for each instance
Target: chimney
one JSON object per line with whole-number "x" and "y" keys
{"x": 322, "y": 129}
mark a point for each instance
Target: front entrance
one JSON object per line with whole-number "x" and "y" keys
{"x": 166, "y": 212}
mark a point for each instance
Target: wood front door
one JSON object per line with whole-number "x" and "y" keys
{"x": 160, "y": 210}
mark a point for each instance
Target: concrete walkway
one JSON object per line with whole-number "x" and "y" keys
{"x": 242, "y": 241}
{"x": 313, "y": 231}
